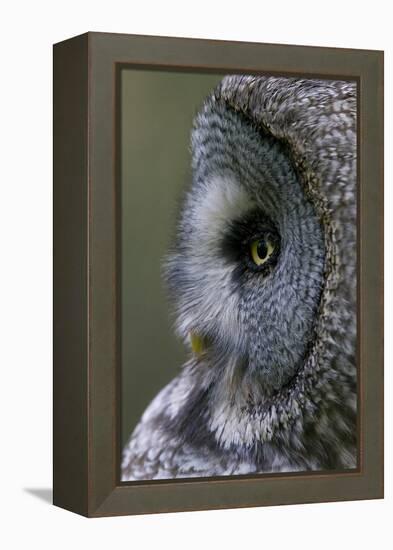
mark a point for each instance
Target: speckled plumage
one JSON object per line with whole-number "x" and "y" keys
{"x": 275, "y": 388}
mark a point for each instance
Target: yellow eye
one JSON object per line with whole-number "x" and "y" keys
{"x": 261, "y": 249}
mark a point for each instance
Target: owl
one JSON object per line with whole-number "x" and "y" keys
{"x": 262, "y": 277}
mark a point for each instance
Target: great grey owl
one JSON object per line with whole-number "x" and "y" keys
{"x": 263, "y": 279}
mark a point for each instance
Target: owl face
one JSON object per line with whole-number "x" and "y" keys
{"x": 247, "y": 268}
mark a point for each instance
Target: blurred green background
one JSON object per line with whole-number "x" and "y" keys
{"x": 157, "y": 108}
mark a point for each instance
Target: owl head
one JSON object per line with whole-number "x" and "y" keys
{"x": 262, "y": 272}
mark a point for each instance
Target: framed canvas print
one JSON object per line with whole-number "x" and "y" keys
{"x": 218, "y": 260}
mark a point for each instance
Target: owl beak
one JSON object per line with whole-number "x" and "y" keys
{"x": 197, "y": 343}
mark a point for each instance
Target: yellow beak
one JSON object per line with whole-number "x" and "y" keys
{"x": 197, "y": 343}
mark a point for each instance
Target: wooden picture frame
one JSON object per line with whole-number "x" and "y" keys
{"x": 86, "y": 291}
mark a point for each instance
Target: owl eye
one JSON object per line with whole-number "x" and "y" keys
{"x": 261, "y": 249}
